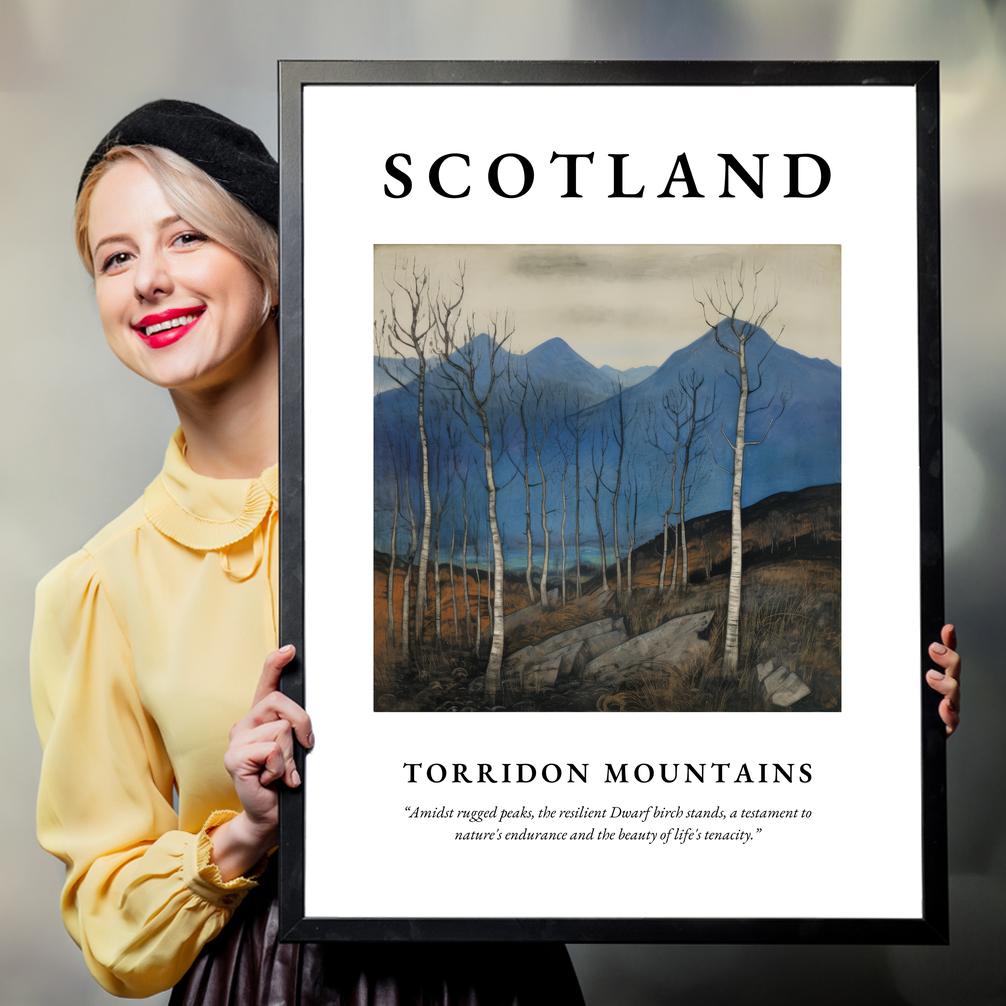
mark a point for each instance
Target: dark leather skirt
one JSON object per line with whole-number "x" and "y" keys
{"x": 246, "y": 965}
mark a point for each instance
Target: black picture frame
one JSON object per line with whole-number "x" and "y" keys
{"x": 930, "y": 926}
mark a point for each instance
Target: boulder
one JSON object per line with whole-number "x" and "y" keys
{"x": 670, "y": 643}
{"x": 542, "y": 664}
{"x": 781, "y": 685}
{"x": 560, "y": 641}
{"x": 566, "y": 664}
{"x": 595, "y": 646}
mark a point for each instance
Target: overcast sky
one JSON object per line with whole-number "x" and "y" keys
{"x": 631, "y": 305}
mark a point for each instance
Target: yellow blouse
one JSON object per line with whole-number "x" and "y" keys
{"x": 147, "y": 647}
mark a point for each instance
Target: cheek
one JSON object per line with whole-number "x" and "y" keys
{"x": 114, "y": 315}
{"x": 247, "y": 301}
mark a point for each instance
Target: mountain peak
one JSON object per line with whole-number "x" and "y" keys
{"x": 556, "y": 350}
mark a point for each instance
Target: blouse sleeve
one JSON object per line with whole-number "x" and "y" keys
{"x": 141, "y": 898}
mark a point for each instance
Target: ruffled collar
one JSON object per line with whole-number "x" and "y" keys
{"x": 203, "y": 513}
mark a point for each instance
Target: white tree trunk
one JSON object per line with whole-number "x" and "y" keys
{"x": 424, "y": 546}
{"x": 493, "y": 668}
{"x": 731, "y": 649}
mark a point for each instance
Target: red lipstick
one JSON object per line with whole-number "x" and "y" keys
{"x": 166, "y": 327}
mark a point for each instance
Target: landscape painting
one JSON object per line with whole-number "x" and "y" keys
{"x": 607, "y": 478}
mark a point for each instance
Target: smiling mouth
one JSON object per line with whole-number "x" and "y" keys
{"x": 177, "y": 321}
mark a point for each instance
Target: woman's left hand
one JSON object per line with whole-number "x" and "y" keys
{"x": 947, "y": 682}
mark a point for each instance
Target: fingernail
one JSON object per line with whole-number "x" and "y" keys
{"x": 936, "y": 676}
{"x": 938, "y": 648}
{"x": 295, "y": 777}
{"x": 286, "y": 649}
{"x": 310, "y": 740}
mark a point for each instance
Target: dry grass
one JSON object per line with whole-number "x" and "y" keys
{"x": 790, "y": 614}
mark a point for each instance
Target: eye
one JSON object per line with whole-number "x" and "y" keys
{"x": 115, "y": 261}
{"x": 189, "y": 239}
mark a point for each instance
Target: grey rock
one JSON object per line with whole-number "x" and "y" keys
{"x": 670, "y": 643}
{"x": 595, "y": 646}
{"x": 556, "y": 646}
{"x": 782, "y": 685}
{"x": 566, "y": 664}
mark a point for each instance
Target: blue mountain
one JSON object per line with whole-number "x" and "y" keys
{"x": 628, "y": 377}
{"x": 799, "y": 395}
{"x": 803, "y": 447}
{"x": 554, "y": 361}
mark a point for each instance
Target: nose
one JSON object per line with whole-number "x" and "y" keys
{"x": 152, "y": 276}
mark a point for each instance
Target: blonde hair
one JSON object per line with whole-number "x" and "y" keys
{"x": 199, "y": 200}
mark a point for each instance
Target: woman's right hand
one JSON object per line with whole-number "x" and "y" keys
{"x": 260, "y": 753}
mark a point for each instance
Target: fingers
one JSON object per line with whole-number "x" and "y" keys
{"x": 270, "y": 703}
{"x": 946, "y": 681}
{"x": 948, "y": 710}
{"x": 265, "y": 752}
{"x": 271, "y": 671}
{"x": 949, "y": 636}
{"x": 263, "y": 761}
{"x": 277, "y": 706}
{"x": 945, "y": 655}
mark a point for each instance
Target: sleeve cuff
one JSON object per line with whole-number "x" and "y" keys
{"x": 202, "y": 876}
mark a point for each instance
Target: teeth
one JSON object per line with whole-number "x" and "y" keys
{"x": 173, "y": 323}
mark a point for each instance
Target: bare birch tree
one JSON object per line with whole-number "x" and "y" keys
{"x": 732, "y": 311}
{"x": 472, "y": 367}
{"x": 405, "y": 335}
{"x": 520, "y": 398}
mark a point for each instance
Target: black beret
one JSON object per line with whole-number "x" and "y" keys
{"x": 230, "y": 154}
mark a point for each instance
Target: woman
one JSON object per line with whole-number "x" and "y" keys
{"x": 148, "y": 643}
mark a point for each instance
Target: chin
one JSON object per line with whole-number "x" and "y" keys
{"x": 173, "y": 375}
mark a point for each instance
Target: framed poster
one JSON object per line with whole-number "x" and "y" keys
{"x": 654, "y": 429}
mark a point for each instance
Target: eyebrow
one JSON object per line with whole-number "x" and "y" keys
{"x": 111, "y": 238}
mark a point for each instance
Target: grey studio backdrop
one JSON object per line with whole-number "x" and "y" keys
{"x": 83, "y": 437}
